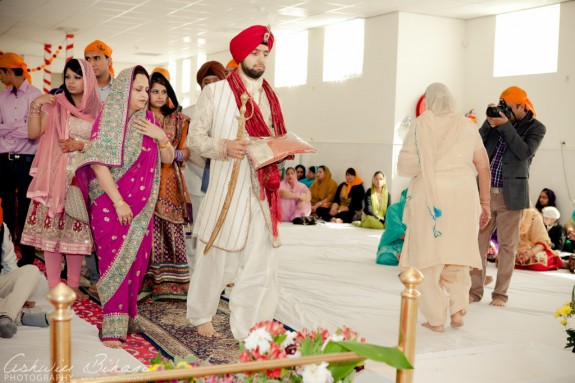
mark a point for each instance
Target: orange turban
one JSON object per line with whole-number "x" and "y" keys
{"x": 516, "y": 95}
{"x": 163, "y": 72}
{"x": 13, "y": 61}
{"x": 102, "y": 47}
{"x": 248, "y": 40}
{"x": 211, "y": 68}
{"x": 232, "y": 64}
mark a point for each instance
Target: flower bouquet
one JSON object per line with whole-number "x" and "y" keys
{"x": 270, "y": 340}
{"x": 567, "y": 314}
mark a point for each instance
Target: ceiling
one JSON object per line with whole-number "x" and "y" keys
{"x": 156, "y": 31}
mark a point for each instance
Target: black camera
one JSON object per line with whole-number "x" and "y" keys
{"x": 493, "y": 111}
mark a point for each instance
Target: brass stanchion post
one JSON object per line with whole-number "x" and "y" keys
{"x": 61, "y": 298}
{"x": 411, "y": 278}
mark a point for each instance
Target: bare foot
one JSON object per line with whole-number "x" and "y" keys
{"x": 80, "y": 296}
{"x": 488, "y": 280}
{"x": 29, "y": 304}
{"x": 457, "y": 318}
{"x": 473, "y": 299}
{"x": 497, "y": 302}
{"x": 112, "y": 343}
{"x": 439, "y": 328}
{"x": 338, "y": 220}
{"x": 208, "y": 330}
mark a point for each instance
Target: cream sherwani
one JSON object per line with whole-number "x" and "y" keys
{"x": 243, "y": 251}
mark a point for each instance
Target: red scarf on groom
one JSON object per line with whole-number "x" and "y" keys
{"x": 268, "y": 176}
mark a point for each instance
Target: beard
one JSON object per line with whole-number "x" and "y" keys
{"x": 252, "y": 73}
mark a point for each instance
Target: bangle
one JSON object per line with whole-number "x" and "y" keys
{"x": 164, "y": 146}
{"x": 484, "y": 202}
{"x": 119, "y": 203}
{"x": 178, "y": 155}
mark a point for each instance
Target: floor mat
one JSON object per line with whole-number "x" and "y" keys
{"x": 165, "y": 324}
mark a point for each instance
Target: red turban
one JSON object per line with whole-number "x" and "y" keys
{"x": 248, "y": 40}
{"x": 211, "y": 68}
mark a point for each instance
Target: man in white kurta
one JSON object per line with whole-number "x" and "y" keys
{"x": 211, "y": 71}
{"x": 243, "y": 251}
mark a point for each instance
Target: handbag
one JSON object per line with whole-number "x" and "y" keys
{"x": 75, "y": 205}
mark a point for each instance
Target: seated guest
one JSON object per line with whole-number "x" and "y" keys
{"x": 300, "y": 172}
{"x": 569, "y": 227}
{"x": 17, "y": 284}
{"x": 391, "y": 243}
{"x": 376, "y": 202}
{"x": 556, "y": 232}
{"x": 546, "y": 198}
{"x": 534, "y": 247}
{"x": 307, "y": 181}
{"x": 347, "y": 202}
{"x": 295, "y": 197}
{"x": 322, "y": 190}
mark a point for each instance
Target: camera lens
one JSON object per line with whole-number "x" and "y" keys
{"x": 492, "y": 111}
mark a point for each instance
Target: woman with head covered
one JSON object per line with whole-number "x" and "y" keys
{"x": 442, "y": 153}
{"x": 120, "y": 173}
{"x": 168, "y": 275}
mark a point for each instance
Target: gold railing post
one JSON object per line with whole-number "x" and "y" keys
{"x": 61, "y": 298}
{"x": 411, "y": 278}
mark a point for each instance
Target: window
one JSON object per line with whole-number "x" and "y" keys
{"x": 172, "y": 69}
{"x": 527, "y": 42}
{"x": 343, "y": 50}
{"x": 291, "y": 59}
{"x": 186, "y": 75}
{"x": 201, "y": 59}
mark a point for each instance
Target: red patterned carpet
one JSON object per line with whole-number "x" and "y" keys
{"x": 91, "y": 312}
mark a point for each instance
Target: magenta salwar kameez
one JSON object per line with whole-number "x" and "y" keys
{"x": 123, "y": 251}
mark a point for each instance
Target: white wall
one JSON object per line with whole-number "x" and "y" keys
{"x": 553, "y": 96}
{"x": 351, "y": 122}
{"x": 357, "y": 123}
{"x": 430, "y": 49}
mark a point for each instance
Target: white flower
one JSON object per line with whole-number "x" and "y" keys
{"x": 289, "y": 340}
{"x": 332, "y": 338}
{"x": 258, "y": 338}
{"x": 314, "y": 373}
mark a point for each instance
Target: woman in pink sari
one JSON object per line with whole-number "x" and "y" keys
{"x": 295, "y": 197}
{"x": 124, "y": 158}
{"x": 64, "y": 128}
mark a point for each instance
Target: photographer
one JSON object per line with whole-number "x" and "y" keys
{"x": 511, "y": 136}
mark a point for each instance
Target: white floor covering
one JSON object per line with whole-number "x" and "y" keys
{"x": 328, "y": 277}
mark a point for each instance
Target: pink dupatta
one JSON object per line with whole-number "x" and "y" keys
{"x": 50, "y": 183}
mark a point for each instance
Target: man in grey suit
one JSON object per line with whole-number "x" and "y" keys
{"x": 511, "y": 140}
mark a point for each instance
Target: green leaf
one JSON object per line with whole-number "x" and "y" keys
{"x": 306, "y": 348}
{"x": 157, "y": 359}
{"x": 388, "y": 355}
{"x": 341, "y": 370}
